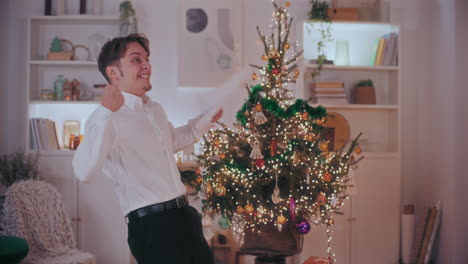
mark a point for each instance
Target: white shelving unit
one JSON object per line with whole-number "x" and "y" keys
{"x": 103, "y": 234}
{"x": 42, "y": 73}
{"x": 368, "y": 232}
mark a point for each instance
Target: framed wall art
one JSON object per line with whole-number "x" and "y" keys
{"x": 210, "y": 40}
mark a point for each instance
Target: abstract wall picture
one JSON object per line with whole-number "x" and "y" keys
{"x": 210, "y": 42}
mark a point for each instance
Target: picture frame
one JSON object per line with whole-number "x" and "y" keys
{"x": 210, "y": 42}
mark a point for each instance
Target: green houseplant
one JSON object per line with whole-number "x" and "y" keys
{"x": 318, "y": 13}
{"x": 364, "y": 92}
{"x": 18, "y": 166}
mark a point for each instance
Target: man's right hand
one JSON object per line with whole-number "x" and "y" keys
{"x": 112, "y": 98}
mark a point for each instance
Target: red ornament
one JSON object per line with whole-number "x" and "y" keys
{"x": 321, "y": 199}
{"x": 260, "y": 163}
{"x": 276, "y": 71}
{"x": 327, "y": 177}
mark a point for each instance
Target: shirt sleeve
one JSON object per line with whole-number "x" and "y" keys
{"x": 92, "y": 152}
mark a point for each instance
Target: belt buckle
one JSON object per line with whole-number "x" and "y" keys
{"x": 177, "y": 202}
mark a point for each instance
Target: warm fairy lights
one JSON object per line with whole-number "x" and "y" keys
{"x": 275, "y": 167}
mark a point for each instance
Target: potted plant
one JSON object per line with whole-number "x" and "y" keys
{"x": 18, "y": 166}
{"x": 318, "y": 13}
{"x": 364, "y": 92}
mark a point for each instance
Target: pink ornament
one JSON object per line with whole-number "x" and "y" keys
{"x": 292, "y": 209}
{"x": 275, "y": 71}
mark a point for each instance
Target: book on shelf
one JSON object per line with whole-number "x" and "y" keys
{"x": 386, "y": 51}
{"x": 326, "y": 91}
{"x": 331, "y": 99}
{"x": 329, "y": 84}
{"x": 43, "y": 134}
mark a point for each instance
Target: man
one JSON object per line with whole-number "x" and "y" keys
{"x": 129, "y": 138}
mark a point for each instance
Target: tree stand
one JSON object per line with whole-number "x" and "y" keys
{"x": 270, "y": 260}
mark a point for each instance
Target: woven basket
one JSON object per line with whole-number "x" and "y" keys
{"x": 271, "y": 242}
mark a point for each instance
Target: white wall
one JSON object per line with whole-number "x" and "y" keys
{"x": 4, "y": 21}
{"x": 461, "y": 128}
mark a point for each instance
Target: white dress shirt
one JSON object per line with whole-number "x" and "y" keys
{"x": 135, "y": 147}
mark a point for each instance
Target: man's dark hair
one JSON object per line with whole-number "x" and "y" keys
{"x": 115, "y": 49}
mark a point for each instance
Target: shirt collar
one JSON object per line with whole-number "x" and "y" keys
{"x": 132, "y": 101}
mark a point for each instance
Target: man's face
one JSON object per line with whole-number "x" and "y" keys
{"x": 134, "y": 70}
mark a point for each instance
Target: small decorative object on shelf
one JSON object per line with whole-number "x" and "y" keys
{"x": 342, "y": 53}
{"x": 58, "y": 88}
{"x": 343, "y": 14}
{"x": 82, "y": 6}
{"x": 364, "y": 92}
{"x": 56, "y": 51}
{"x": 67, "y": 90}
{"x": 128, "y": 19}
{"x": 95, "y": 43}
{"x": 75, "y": 90}
{"x": 47, "y": 95}
{"x": 86, "y": 56}
{"x": 48, "y": 7}
{"x": 71, "y": 128}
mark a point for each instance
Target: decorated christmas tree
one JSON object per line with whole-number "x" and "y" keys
{"x": 274, "y": 168}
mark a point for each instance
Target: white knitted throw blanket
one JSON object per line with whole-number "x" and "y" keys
{"x": 33, "y": 210}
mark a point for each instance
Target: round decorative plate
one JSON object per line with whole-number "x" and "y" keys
{"x": 337, "y": 131}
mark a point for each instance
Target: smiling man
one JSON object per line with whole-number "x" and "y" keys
{"x": 130, "y": 140}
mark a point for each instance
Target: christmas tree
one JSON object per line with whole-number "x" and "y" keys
{"x": 274, "y": 167}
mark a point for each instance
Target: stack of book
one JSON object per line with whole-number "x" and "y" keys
{"x": 386, "y": 52}
{"x": 330, "y": 92}
{"x": 43, "y": 134}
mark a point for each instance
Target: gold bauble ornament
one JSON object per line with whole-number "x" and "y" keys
{"x": 265, "y": 57}
{"x": 296, "y": 73}
{"x": 274, "y": 53}
{"x": 287, "y": 46}
{"x": 220, "y": 190}
{"x": 239, "y": 209}
{"x": 216, "y": 143}
{"x": 281, "y": 220}
{"x": 248, "y": 209}
{"x": 222, "y": 155}
{"x": 287, "y": 4}
{"x": 305, "y": 116}
{"x": 199, "y": 180}
{"x": 331, "y": 221}
{"x": 358, "y": 150}
{"x": 321, "y": 121}
{"x": 254, "y": 76}
{"x": 247, "y": 113}
{"x": 324, "y": 146}
{"x": 198, "y": 171}
{"x": 310, "y": 137}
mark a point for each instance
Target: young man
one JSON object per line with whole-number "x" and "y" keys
{"x": 129, "y": 138}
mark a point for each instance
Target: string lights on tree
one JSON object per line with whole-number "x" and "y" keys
{"x": 275, "y": 165}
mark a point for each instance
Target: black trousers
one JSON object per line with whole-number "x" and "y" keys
{"x": 171, "y": 237}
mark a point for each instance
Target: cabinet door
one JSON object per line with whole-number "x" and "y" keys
{"x": 102, "y": 227}
{"x": 375, "y": 211}
{"x": 57, "y": 170}
{"x": 315, "y": 243}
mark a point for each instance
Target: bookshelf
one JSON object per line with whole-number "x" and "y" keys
{"x": 41, "y": 73}
{"x": 365, "y": 223}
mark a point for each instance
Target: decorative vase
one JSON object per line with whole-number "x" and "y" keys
{"x": 364, "y": 95}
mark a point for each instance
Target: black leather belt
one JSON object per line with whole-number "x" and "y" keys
{"x": 178, "y": 202}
